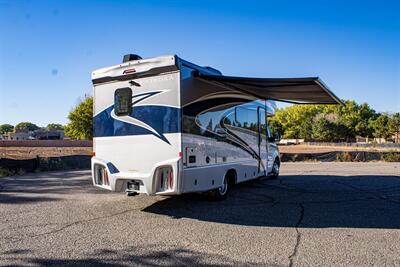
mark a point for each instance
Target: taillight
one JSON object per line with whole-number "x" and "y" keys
{"x": 101, "y": 175}
{"x": 106, "y": 180}
{"x": 170, "y": 180}
{"x": 166, "y": 178}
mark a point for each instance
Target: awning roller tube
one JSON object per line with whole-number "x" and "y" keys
{"x": 310, "y": 90}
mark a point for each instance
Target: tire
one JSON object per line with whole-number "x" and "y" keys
{"x": 222, "y": 192}
{"x": 275, "y": 169}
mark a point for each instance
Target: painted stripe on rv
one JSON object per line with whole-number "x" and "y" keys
{"x": 163, "y": 119}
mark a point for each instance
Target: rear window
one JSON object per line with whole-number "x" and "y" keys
{"x": 123, "y": 101}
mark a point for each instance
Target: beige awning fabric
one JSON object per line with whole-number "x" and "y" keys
{"x": 293, "y": 90}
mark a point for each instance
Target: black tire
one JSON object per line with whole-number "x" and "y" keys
{"x": 275, "y": 169}
{"x": 222, "y": 192}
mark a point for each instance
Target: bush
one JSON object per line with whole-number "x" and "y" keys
{"x": 5, "y": 172}
{"x": 391, "y": 156}
{"x": 81, "y": 121}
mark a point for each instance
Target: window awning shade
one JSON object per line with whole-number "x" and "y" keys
{"x": 293, "y": 90}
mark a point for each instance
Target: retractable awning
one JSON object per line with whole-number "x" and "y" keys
{"x": 292, "y": 90}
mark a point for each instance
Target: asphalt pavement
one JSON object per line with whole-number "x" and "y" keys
{"x": 315, "y": 214}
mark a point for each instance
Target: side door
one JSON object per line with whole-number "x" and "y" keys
{"x": 262, "y": 141}
{"x": 272, "y": 147}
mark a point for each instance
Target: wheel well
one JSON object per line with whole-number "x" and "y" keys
{"x": 231, "y": 176}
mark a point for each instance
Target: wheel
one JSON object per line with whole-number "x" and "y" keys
{"x": 275, "y": 169}
{"x": 221, "y": 192}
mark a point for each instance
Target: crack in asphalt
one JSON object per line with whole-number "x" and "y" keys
{"x": 298, "y": 236}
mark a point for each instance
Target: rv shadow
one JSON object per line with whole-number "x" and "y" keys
{"x": 136, "y": 256}
{"x": 308, "y": 201}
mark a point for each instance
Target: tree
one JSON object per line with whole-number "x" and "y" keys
{"x": 380, "y": 126}
{"x": 323, "y": 130}
{"x": 275, "y": 126}
{"x": 5, "y": 128}
{"x": 394, "y": 125}
{"x": 365, "y": 113}
{"x": 346, "y": 121}
{"x": 81, "y": 120}
{"x": 289, "y": 120}
{"x": 355, "y": 117}
{"x": 25, "y": 127}
{"x": 54, "y": 127}
{"x": 306, "y": 128}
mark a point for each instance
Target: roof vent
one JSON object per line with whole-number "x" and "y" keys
{"x": 130, "y": 57}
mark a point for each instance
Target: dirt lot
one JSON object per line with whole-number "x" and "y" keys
{"x": 324, "y": 149}
{"x": 32, "y": 152}
{"x": 315, "y": 214}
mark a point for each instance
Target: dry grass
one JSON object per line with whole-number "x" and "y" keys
{"x": 32, "y": 152}
{"x": 324, "y": 149}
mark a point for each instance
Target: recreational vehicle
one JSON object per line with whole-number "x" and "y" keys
{"x": 165, "y": 126}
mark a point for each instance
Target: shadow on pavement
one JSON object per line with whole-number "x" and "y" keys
{"x": 307, "y": 201}
{"x": 137, "y": 256}
{"x": 16, "y": 199}
{"x": 40, "y": 187}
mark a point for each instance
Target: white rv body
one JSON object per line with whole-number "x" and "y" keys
{"x": 129, "y": 148}
{"x": 161, "y": 129}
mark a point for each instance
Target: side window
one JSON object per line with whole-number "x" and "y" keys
{"x": 247, "y": 118}
{"x": 229, "y": 119}
{"x": 123, "y": 101}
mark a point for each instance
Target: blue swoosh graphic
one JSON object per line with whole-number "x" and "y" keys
{"x": 161, "y": 119}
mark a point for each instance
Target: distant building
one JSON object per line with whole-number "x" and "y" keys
{"x": 41, "y": 134}
{"x": 20, "y": 136}
{"x": 48, "y": 135}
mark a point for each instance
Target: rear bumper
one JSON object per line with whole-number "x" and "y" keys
{"x": 145, "y": 183}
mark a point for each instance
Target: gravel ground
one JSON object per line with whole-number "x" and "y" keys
{"x": 325, "y": 214}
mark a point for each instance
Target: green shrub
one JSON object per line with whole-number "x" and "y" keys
{"x": 5, "y": 172}
{"x": 391, "y": 156}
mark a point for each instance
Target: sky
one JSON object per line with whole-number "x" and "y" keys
{"x": 48, "y": 49}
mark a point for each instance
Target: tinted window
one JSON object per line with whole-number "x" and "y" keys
{"x": 230, "y": 119}
{"x": 247, "y": 118}
{"x": 123, "y": 101}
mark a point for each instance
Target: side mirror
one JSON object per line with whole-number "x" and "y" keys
{"x": 277, "y": 137}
